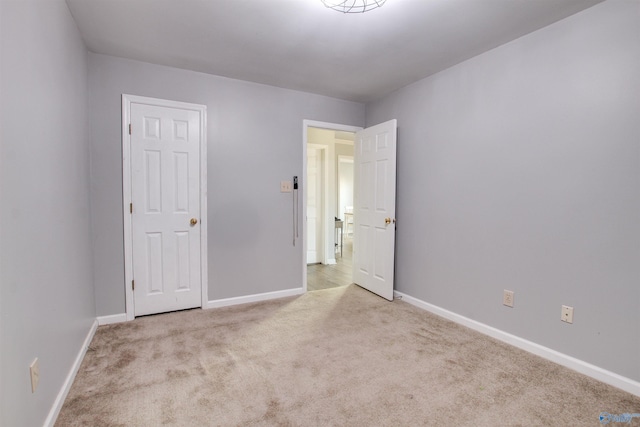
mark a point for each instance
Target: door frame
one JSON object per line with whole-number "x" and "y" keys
{"x": 306, "y": 124}
{"x": 127, "y": 100}
{"x": 322, "y": 194}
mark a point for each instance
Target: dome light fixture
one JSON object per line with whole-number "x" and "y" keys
{"x": 353, "y": 6}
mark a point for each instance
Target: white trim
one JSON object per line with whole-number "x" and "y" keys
{"x": 204, "y": 258}
{"x": 66, "y": 386}
{"x": 126, "y": 199}
{"x": 332, "y": 261}
{"x": 324, "y": 202}
{"x": 608, "y": 377}
{"x": 254, "y": 298}
{"x": 127, "y": 100}
{"x": 306, "y": 124}
{"x": 113, "y": 318}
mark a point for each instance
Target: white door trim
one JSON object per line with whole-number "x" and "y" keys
{"x": 306, "y": 124}
{"x": 127, "y": 100}
{"x": 324, "y": 210}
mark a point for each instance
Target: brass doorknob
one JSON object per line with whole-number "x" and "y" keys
{"x": 387, "y": 220}
{"x": 193, "y": 221}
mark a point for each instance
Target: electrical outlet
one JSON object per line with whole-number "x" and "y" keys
{"x": 507, "y": 298}
{"x": 567, "y": 314}
{"x": 285, "y": 186}
{"x": 34, "y": 370}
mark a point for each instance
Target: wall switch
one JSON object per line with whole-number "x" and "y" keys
{"x": 567, "y": 314}
{"x": 34, "y": 370}
{"x": 285, "y": 186}
{"x": 507, "y": 298}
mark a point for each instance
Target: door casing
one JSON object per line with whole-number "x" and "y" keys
{"x": 127, "y": 100}
{"x": 321, "y": 196}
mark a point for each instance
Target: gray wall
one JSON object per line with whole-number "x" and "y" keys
{"x": 47, "y": 300}
{"x": 254, "y": 142}
{"x": 520, "y": 169}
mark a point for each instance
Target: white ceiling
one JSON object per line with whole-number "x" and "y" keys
{"x": 300, "y": 44}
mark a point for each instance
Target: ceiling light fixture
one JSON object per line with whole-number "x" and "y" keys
{"x": 353, "y": 6}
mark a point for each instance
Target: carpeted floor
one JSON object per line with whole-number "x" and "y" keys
{"x": 340, "y": 357}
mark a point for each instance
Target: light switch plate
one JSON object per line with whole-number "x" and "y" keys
{"x": 285, "y": 186}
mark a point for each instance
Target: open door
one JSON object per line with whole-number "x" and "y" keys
{"x": 375, "y": 208}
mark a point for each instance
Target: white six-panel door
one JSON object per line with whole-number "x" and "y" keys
{"x": 375, "y": 208}
{"x": 165, "y": 214}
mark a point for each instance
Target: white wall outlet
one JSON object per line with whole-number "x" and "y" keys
{"x": 507, "y": 298}
{"x": 567, "y": 314}
{"x": 34, "y": 370}
{"x": 285, "y": 186}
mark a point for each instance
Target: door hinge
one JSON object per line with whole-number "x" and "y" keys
{"x": 129, "y": 128}
{"x": 130, "y": 207}
{"x": 133, "y": 285}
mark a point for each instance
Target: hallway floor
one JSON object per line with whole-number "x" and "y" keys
{"x": 320, "y": 276}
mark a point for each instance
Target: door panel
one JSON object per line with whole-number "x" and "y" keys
{"x": 375, "y": 208}
{"x": 165, "y": 186}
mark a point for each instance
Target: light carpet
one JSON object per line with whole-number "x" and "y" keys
{"x": 339, "y": 357}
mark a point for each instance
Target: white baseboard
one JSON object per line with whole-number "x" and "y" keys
{"x": 66, "y": 386}
{"x": 253, "y": 298}
{"x": 570, "y": 362}
{"x": 113, "y": 318}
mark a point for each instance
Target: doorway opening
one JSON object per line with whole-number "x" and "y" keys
{"x": 328, "y": 205}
